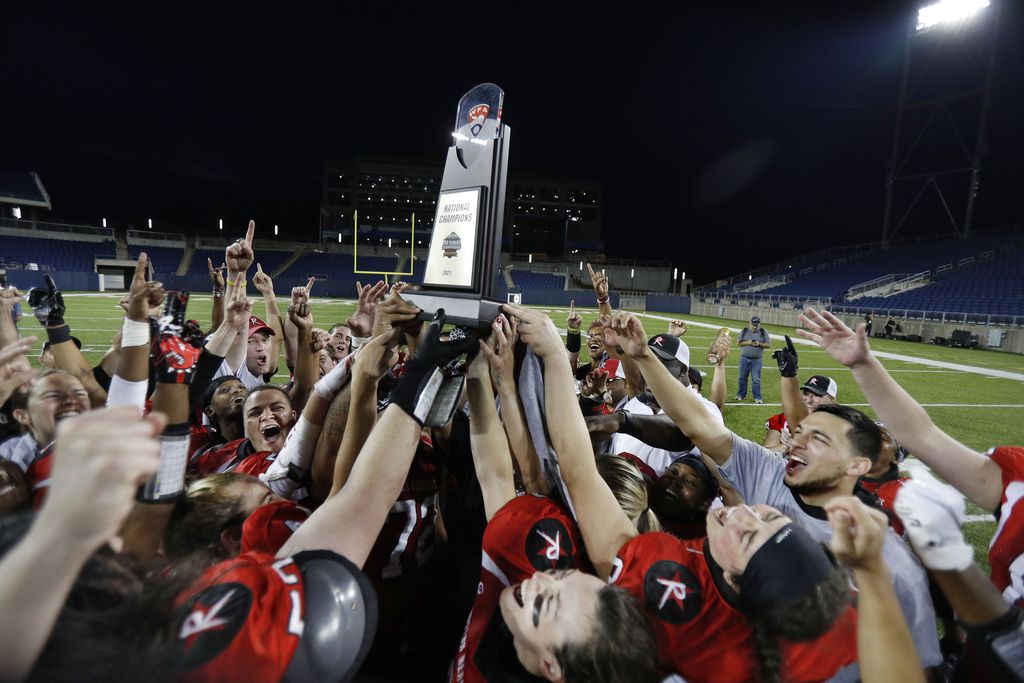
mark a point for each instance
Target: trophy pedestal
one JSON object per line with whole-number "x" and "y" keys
{"x": 468, "y": 310}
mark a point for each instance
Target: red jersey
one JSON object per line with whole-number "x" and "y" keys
{"x": 700, "y": 635}
{"x": 234, "y": 456}
{"x": 527, "y": 535}
{"x": 1006, "y": 551}
{"x": 270, "y": 526}
{"x": 776, "y": 423}
{"x": 37, "y": 476}
{"x": 886, "y": 487}
{"x": 242, "y": 621}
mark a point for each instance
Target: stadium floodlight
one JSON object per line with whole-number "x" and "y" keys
{"x": 16, "y": 211}
{"x": 684, "y": 274}
{"x": 530, "y": 258}
{"x": 275, "y": 229}
{"x": 948, "y": 12}
{"x": 389, "y": 243}
{"x": 675, "y": 273}
{"x": 149, "y": 222}
{"x": 581, "y": 266}
{"x": 632, "y": 272}
{"x": 339, "y": 237}
{"x": 220, "y": 223}
{"x": 103, "y": 221}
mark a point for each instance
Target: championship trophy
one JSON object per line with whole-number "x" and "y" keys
{"x": 466, "y": 243}
{"x": 720, "y": 347}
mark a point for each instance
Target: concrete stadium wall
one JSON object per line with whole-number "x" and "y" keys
{"x": 1013, "y": 339}
{"x": 668, "y": 303}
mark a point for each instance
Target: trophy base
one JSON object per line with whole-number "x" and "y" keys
{"x": 469, "y": 311}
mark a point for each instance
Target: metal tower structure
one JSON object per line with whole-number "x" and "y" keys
{"x": 934, "y": 172}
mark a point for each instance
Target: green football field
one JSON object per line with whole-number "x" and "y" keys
{"x": 980, "y": 410}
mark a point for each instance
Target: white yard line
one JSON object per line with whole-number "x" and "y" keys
{"x": 751, "y": 404}
{"x": 1003, "y": 374}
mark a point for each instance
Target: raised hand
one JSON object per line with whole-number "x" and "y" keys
{"x": 173, "y": 358}
{"x": 374, "y": 358}
{"x": 9, "y": 296}
{"x": 677, "y": 328}
{"x": 239, "y": 256}
{"x": 630, "y": 334}
{"x": 238, "y": 309}
{"x": 102, "y": 457}
{"x": 787, "y": 359}
{"x": 575, "y": 320}
{"x": 599, "y": 281}
{"x": 932, "y": 513}
{"x": 499, "y": 351}
{"x": 14, "y": 368}
{"x": 395, "y": 312}
{"x": 301, "y": 315}
{"x": 47, "y": 303}
{"x": 143, "y": 297}
{"x": 361, "y": 322}
{"x": 858, "y": 533}
{"x": 262, "y": 282}
{"x": 216, "y": 274}
{"x": 846, "y": 346}
{"x": 537, "y": 331}
{"x": 425, "y": 380}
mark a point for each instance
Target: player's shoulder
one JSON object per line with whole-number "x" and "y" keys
{"x": 1010, "y": 460}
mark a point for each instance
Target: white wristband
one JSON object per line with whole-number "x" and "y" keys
{"x": 359, "y": 341}
{"x": 125, "y": 393}
{"x": 134, "y": 333}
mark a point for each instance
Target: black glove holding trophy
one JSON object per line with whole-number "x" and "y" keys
{"x": 461, "y": 264}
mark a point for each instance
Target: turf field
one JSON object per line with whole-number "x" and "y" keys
{"x": 979, "y": 410}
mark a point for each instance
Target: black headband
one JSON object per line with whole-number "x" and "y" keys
{"x": 787, "y": 567}
{"x": 698, "y": 466}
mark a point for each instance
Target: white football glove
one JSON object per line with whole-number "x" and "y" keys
{"x": 932, "y": 513}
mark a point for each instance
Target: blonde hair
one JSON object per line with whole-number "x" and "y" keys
{"x": 208, "y": 507}
{"x": 627, "y": 485}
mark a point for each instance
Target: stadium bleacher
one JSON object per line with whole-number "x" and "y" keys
{"x": 269, "y": 259}
{"x": 52, "y": 254}
{"x": 165, "y": 260}
{"x": 527, "y": 279}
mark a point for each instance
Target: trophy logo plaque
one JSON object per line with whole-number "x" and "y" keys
{"x": 462, "y": 259}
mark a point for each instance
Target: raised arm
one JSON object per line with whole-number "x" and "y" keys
{"x": 600, "y": 283}
{"x": 792, "y": 404}
{"x": 130, "y": 382}
{"x": 102, "y": 457}
{"x": 238, "y": 257}
{"x": 719, "y": 387}
{"x": 885, "y": 648}
{"x": 974, "y": 475}
{"x": 604, "y": 525}
{"x": 501, "y": 359}
{"x": 219, "y": 302}
{"x": 491, "y": 456}
{"x": 349, "y": 522}
{"x": 265, "y": 285}
{"x": 678, "y": 402}
{"x": 573, "y": 337}
{"x": 9, "y": 297}
{"x": 47, "y": 304}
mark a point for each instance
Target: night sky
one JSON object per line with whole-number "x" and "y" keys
{"x": 724, "y": 137}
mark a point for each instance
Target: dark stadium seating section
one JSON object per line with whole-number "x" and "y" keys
{"x": 51, "y": 254}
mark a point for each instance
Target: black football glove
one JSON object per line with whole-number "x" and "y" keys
{"x": 428, "y": 391}
{"x": 47, "y": 304}
{"x": 173, "y": 358}
{"x": 786, "y": 358}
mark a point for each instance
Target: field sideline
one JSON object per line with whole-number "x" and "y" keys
{"x": 980, "y": 410}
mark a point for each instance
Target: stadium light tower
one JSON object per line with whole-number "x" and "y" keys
{"x": 149, "y": 222}
{"x": 220, "y": 223}
{"x": 939, "y": 140}
{"x": 103, "y": 221}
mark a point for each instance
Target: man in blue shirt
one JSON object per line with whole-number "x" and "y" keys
{"x": 753, "y": 341}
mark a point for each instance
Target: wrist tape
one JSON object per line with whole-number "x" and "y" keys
{"x": 134, "y": 333}
{"x": 328, "y": 386}
{"x": 169, "y": 482}
{"x": 125, "y": 393}
{"x": 58, "y": 335}
{"x": 573, "y": 341}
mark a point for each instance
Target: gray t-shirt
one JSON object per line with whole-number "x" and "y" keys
{"x": 749, "y": 335}
{"x": 757, "y": 473}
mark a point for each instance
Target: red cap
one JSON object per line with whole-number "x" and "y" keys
{"x": 614, "y": 368}
{"x": 257, "y": 325}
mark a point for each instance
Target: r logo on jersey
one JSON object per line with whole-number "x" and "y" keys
{"x": 212, "y": 620}
{"x": 672, "y": 592}
{"x": 549, "y": 546}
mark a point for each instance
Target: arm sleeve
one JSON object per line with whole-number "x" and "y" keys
{"x": 756, "y": 473}
{"x": 206, "y": 368}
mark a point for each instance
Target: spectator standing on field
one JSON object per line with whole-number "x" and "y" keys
{"x": 753, "y": 341}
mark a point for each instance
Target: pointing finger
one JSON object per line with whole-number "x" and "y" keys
{"x": 250, "y": 233}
